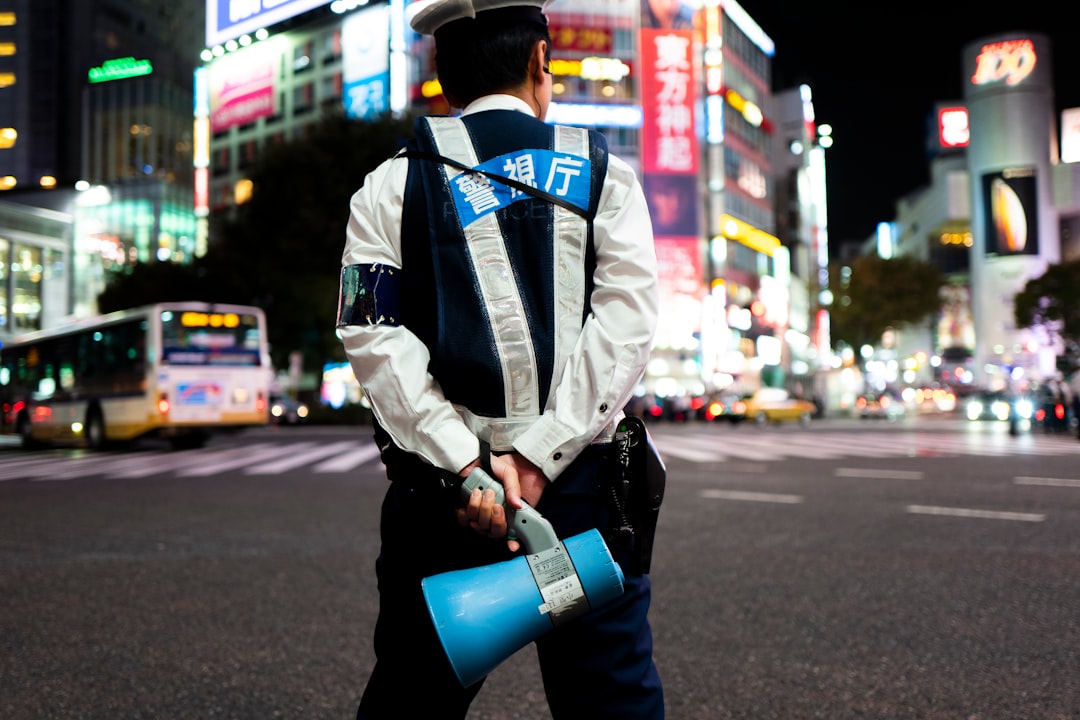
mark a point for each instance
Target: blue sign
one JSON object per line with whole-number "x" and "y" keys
{"x": 561, "y": 174}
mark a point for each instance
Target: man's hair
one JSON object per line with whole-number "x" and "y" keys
{"x": 474, "y": 59}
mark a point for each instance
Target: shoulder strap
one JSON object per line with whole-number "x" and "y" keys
{"x": 517, "y": 185}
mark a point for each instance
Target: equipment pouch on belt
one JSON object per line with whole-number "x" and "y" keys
{"x": 638, "y": 479}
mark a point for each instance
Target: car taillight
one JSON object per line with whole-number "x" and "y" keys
{"x": 1059, "y": 411}
{"x": 163, "y": 404}
{"x": 260, "y": 403}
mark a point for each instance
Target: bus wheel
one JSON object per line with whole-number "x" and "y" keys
{"x": 26, "y": 432}
{"x": 95, "y": 429}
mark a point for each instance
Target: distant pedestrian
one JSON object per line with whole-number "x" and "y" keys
{"x": 1076, "y": 412}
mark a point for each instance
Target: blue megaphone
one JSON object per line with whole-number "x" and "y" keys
{"x": 484, "y": 615}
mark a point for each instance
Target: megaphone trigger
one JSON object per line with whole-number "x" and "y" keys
{"x": 485, "y": 614}
{"x": 527, "y": 526}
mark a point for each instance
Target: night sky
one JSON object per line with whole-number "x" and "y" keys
{"x": 876, "y": 72}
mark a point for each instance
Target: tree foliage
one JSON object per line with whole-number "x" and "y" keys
{"x": 282, "y": 251}
{"x": 1051, "y": 303}
{"x": 878, "y": 294}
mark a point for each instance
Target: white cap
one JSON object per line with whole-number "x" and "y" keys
{"x": 427, "y": 16}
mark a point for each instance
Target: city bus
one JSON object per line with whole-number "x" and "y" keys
{"x": 181, "y": 371}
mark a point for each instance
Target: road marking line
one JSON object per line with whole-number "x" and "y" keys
{"x": 883, "y": 474}
{"x": 972, "y": 513}
{"x": 688, "y": 453}
{"x": 752, "y": 496}
{"x": 280, "y": 465}
{"x": 349, "y": 460}
{"x": 248, "y": 455}
{"x": 1048, "y": 482}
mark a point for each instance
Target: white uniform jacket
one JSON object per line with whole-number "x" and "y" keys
{"x": 594, "y": 376}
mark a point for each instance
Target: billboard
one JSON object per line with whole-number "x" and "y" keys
{"x": 242, "y": 86}
{"x": 1010, "y": 212}
{"x": 365, "y": 58}
{"x": 229, "y": 19}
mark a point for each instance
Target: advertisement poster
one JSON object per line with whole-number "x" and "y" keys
{"x": 1010, "y": 211}
{"x": 242, "y": 86}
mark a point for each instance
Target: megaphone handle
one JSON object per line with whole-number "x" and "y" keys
{"x": 526, "y": 524}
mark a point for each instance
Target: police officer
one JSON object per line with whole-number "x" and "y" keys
{"x": 502, "y": 314}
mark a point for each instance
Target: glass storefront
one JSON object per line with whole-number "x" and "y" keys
{"x": 34, "y": 251}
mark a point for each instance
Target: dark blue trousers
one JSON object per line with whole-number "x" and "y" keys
{"x": 598, "y": 666}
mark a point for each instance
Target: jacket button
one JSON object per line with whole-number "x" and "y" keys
{"x": 557, "y": 456}
{"x": 603, "y": 408}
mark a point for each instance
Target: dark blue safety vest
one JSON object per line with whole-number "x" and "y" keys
{"x": 488, "y": 271}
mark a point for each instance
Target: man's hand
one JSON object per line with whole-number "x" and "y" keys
{"x": 518, "y": 477}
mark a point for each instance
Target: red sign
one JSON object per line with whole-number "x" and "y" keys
{"x": 669, "y": 141}
{"x": 953, "y": 128}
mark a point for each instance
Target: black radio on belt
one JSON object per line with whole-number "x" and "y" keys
{"x": 637, "y": 481}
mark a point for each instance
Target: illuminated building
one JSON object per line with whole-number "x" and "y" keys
{"x": 95, "y": 94}
{"x": 801, "y": 224}
{"x": 1000, "y": 208}
{"x": 685, "y": 100}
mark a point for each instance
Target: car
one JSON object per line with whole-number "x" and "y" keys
{"x": 775, "y": 405}
{"x": 989, "y": 405}
{"x": 883, "y": 405}
{"x": 287, "y": 410}
{"x": 726, "y": 407}
{"x": 1050, "y": 411}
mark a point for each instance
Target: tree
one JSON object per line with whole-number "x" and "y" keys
{"x": 1050, "y": 304}
{"x": 877, "y": 294}
{"x": 283, "y": 249}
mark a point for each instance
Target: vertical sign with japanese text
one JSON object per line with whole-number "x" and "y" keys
{"x": 670, "y": 164}
{"x": 669, "y": 140}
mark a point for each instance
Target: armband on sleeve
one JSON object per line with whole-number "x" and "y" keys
{"x": 370, "y": 295}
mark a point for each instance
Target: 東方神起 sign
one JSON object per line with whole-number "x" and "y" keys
{"x": 119, "y": 69}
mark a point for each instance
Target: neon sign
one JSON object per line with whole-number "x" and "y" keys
{"x": 1010, "y": 61}
{"x": 953, "y": 128}
{"x": 120, "y": 69}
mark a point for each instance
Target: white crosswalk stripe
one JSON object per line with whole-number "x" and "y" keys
{"x": 350, "y": 460}
{"x": 705, "y": 444}
{"x": 701, "y": 444}
{"x": 243, "y": 456}
{"x": 264, "y": 458}
{"x": 295, "y": 460}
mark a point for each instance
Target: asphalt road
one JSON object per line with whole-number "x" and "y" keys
{"x": 849, "y": 570}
